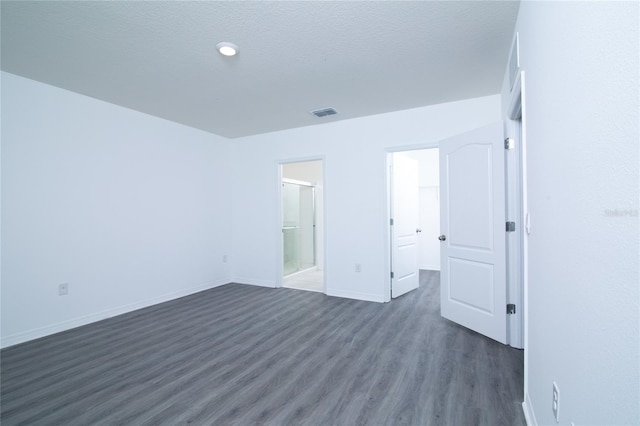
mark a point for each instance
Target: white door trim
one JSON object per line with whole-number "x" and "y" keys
{"x": 517, "y": 112}
{"x": 516, "y": 212}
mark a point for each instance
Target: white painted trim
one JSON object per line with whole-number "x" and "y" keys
{"x": 525, "y": 240}
{"x": 36, "y": 333}
{"x": 513, "y": 71}
{"x": 413, "y": 147}
{"x": 386, "y": 229}
{"x": 527, "y": 408}
{"x": 278, "y": 228}
{"x": 313, "y": 268}
{"x": 367, "y": 297}
{"x": 515, "y": 101}
{"x": 325, "y": 221}
{"x": 296, "y": 182}
{"x": 430, "y": 267}
{"x": 514, "y": 127}
{"x": 255, "y": 282}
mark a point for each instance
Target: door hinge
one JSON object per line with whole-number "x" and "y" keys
{"x": 511, "y": 226}
{"x": 391, "y": 275}
{"x": 511, "y": 308}
{"x": 509, "y": 143}
{"x": 391, "y": 222}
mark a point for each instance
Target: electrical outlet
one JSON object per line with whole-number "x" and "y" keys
{"x": 556, "y": 402}
{"x": 358, "y": 267}
{"x": 63, "y": 289}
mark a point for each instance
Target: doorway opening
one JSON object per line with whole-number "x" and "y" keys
{"x": 472, "y": 225}
{"x": 415, "y": 212}
{"x": 302, "y": 200}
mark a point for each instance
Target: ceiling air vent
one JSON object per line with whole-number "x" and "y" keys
{"x": 324, "y": 112}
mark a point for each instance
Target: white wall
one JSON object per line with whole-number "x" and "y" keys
{"x": 581, "y": 99}
{"x": 429, "y": 165}
{"x": 355, "y": 190}
{"x": 307, "y": 171}
{"x": 126, "y": 208}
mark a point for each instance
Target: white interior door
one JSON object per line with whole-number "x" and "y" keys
{"x": 404, "y": 240}
{"x": 472, "y": 220}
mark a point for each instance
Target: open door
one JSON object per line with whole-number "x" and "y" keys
{"x": 472, "y": 221}
{"x": 404, "y": 239}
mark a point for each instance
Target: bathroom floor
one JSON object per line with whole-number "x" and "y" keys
{"x": 311, "y": 280}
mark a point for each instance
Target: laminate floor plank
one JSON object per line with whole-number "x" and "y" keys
{"x": 97, "y": 375}
{"x": 244, "y": 355}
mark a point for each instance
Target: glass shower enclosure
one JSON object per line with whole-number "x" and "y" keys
{"x": 298, "y": 226}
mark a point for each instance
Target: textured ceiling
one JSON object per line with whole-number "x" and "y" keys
{"x": 361, "y": 58}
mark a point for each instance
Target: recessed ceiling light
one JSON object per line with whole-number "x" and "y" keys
{"x": 227, "y": 49}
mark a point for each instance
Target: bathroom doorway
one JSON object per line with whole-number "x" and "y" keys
{"x": 302, "y": 225}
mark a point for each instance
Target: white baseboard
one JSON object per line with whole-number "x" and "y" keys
{"x": 313, "y": 268}
{"x": 430, "y": 267}
{"x": 36, "y": 333}
{"x": 529, "y": 415}
{"x": 367, "y": 297}
{"x": 253, "y": 281}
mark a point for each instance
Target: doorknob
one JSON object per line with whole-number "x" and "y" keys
{"x": 442, "y": 237}
{"x": 418, "y": 230}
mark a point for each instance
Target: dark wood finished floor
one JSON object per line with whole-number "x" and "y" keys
{"x": 243, "y": 355}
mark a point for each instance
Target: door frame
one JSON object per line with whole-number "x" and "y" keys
{"x": 514, "y": 122}
{"x": 278, "y": 228}
{"x": 514, "y": 128}
{"x": 516, "y": 125}
{"x": 388, "y": 161}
